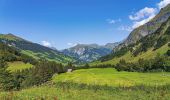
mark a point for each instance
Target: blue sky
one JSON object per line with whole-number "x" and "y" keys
{"x": 64, "y": 23}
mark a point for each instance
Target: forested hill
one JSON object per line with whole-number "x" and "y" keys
{"x": 11, "y": 54}
{"x": 34, "y": 50}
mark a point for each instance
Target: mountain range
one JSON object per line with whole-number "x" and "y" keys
{"x": 89, "y": 52}
{"x": 80, "y": 53}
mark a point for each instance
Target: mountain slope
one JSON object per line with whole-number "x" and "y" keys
{"x": 91, "y": 52}
{"x": 147, "y": 28}
{"x": 37, "y": 51}
{"x": 146, "y": 48}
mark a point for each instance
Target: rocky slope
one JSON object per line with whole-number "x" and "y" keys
{"x": 147, "y": 28}
{"x": 91, "y": 52}
{"x": 148, "y": 47}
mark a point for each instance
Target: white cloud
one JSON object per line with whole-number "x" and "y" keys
{"x": 146, "y": 14}
{"x": 143, "y": 13}
{"x": 163, "y": 3}
{"x": 125, "y": 28}
{"x": 112, "y": 21}
{"x": 142, "y": 22}
{"x": 143, "y": 16}
{"x": 72, "y": 44}
{"x": 46, "y": 43}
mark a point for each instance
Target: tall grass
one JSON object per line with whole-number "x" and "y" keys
{"x": 74, "y": 86}
{"x": 74, "y": 91}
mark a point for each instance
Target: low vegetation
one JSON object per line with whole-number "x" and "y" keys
{"x": 18, "y": 66}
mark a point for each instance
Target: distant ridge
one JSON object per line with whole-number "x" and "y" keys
{"x": 89, "y": 52}
{"x": 35, "y": 50}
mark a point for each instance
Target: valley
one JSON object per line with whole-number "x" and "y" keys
{"x": 136, "y": 68}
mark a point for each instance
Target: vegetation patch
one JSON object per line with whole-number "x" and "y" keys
{"x": 18, "y": 66}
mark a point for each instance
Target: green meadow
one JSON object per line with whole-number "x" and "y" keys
{"x": 98, "y": 84}
{"x": 111, "y": 77}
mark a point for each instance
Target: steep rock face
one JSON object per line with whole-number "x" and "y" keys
{"x": 147, "y": 28}
{"x": 91, "y": 52}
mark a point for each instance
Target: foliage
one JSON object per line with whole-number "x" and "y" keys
{"x": 159, "y": 63}
{"x": 168, "y": 52}
{"x": 6, "y": 79}
{"x": 118, "y": 53}
{"x": 41, "y": 73}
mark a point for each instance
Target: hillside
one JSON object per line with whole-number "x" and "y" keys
{"x": 89, "y": 52}
{"x": 146, "y": 48}
{"x": 16, "y": 61}
{"x": 148, "y": 28}
{"x": 34, "y": 50}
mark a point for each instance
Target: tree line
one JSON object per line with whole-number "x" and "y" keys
{"x": 159, "y": 63}
{"x": 42, "y": 72}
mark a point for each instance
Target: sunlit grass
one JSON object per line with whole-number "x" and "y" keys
{"x": 98, "y": 84}
{"x": 18, "y": 66}
{"x": 111, "y": 77}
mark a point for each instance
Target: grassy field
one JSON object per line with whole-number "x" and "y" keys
{"x": 18, "y": 66}
{"x": 111, "y": 77}
{"x": 98, "y": 84}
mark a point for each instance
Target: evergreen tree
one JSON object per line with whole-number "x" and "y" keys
{"x": 6, "y": 79}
